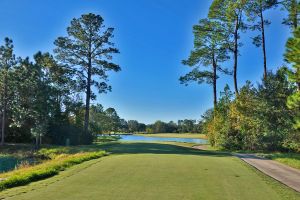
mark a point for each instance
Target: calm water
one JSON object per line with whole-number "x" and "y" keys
{"x": 130, "y": 138}
{"x": 7, "y": 163}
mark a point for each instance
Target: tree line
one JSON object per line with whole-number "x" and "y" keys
{"x": 265, "y": 116}
{"x": 107, "y": 121}
{"x": 44, "y": 96}
{"x": 182, "y": 126}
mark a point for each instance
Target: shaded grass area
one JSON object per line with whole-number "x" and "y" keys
{"x": 16, "y": 149}
{"x": 151, "y": 171}
{"x": 177, "y": 135}
{"x": 156, "y": 148}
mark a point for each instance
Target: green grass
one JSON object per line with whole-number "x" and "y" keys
{"x": 151, "y": 171}
{"x": 116, "y": 133}
{"x": 107, "y": 138}
{"x": 177, "y": 135}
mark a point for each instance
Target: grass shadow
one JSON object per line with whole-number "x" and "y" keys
{"x": 155, "y": 148}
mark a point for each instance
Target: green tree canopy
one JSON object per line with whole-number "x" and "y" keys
{"x": 292, "y": 57}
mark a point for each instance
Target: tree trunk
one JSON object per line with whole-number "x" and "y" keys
{"x": 4, "y": 110}
{"x": 3, "y": 125}
{"x": 295, "y": 11}
{"x": 87, "y": 102}
{"x": 263, "y": 42}
{"x": 235, "y": 51}
{"x": 88, "y": 88}
{"x": 37, "y": 141}
{"x": 215, "y": 82}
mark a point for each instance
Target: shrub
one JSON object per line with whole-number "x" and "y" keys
{"x": 59, "y": 134}
{"x": 257, "y": 119}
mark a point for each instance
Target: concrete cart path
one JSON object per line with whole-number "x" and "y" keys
{"x": 283, "y": 173}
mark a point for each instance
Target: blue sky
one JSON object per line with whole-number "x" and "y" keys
{"x": 153, "y": 37}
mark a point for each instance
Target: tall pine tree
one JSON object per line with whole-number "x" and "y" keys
{"x": 209, "y": 51}
{"x": 230, "y": 13}
{"x": 7, "y": 62}
{"x": 88, "y": 51}
{"x": 255, "y": 12}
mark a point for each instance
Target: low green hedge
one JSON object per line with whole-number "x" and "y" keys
{"x": 50, "y": 168}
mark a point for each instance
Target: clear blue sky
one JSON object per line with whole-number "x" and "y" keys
{"x": 153, "y": 37}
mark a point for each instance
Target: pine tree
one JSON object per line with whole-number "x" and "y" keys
{"x": 255, "y": 12}
{"x": 293, "y": 8}
{"x": 208, "y": 51}
{"x": 88, "y": 51}
{"x": 230, "y": 13}
{"x": 7, "y": 61}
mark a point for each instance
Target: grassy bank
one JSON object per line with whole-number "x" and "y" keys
{"x": 51, "y": 160}
{"x": 177, "y": 135}
{"x": 107, "y": 138}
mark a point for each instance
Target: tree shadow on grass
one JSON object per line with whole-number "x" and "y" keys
{"x": 156, "y": 148}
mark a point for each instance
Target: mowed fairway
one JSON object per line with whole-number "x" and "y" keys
{"x": 153, "y": 171}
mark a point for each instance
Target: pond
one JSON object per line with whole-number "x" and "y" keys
{"x": 7, "y": 163}
{"x": 130, "y": 138}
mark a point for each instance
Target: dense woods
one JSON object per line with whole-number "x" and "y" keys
{"x": 265, "y": 116}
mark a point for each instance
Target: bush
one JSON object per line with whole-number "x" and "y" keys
{"x": 60, "y": 133}
{"x": 257, "y": 119}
